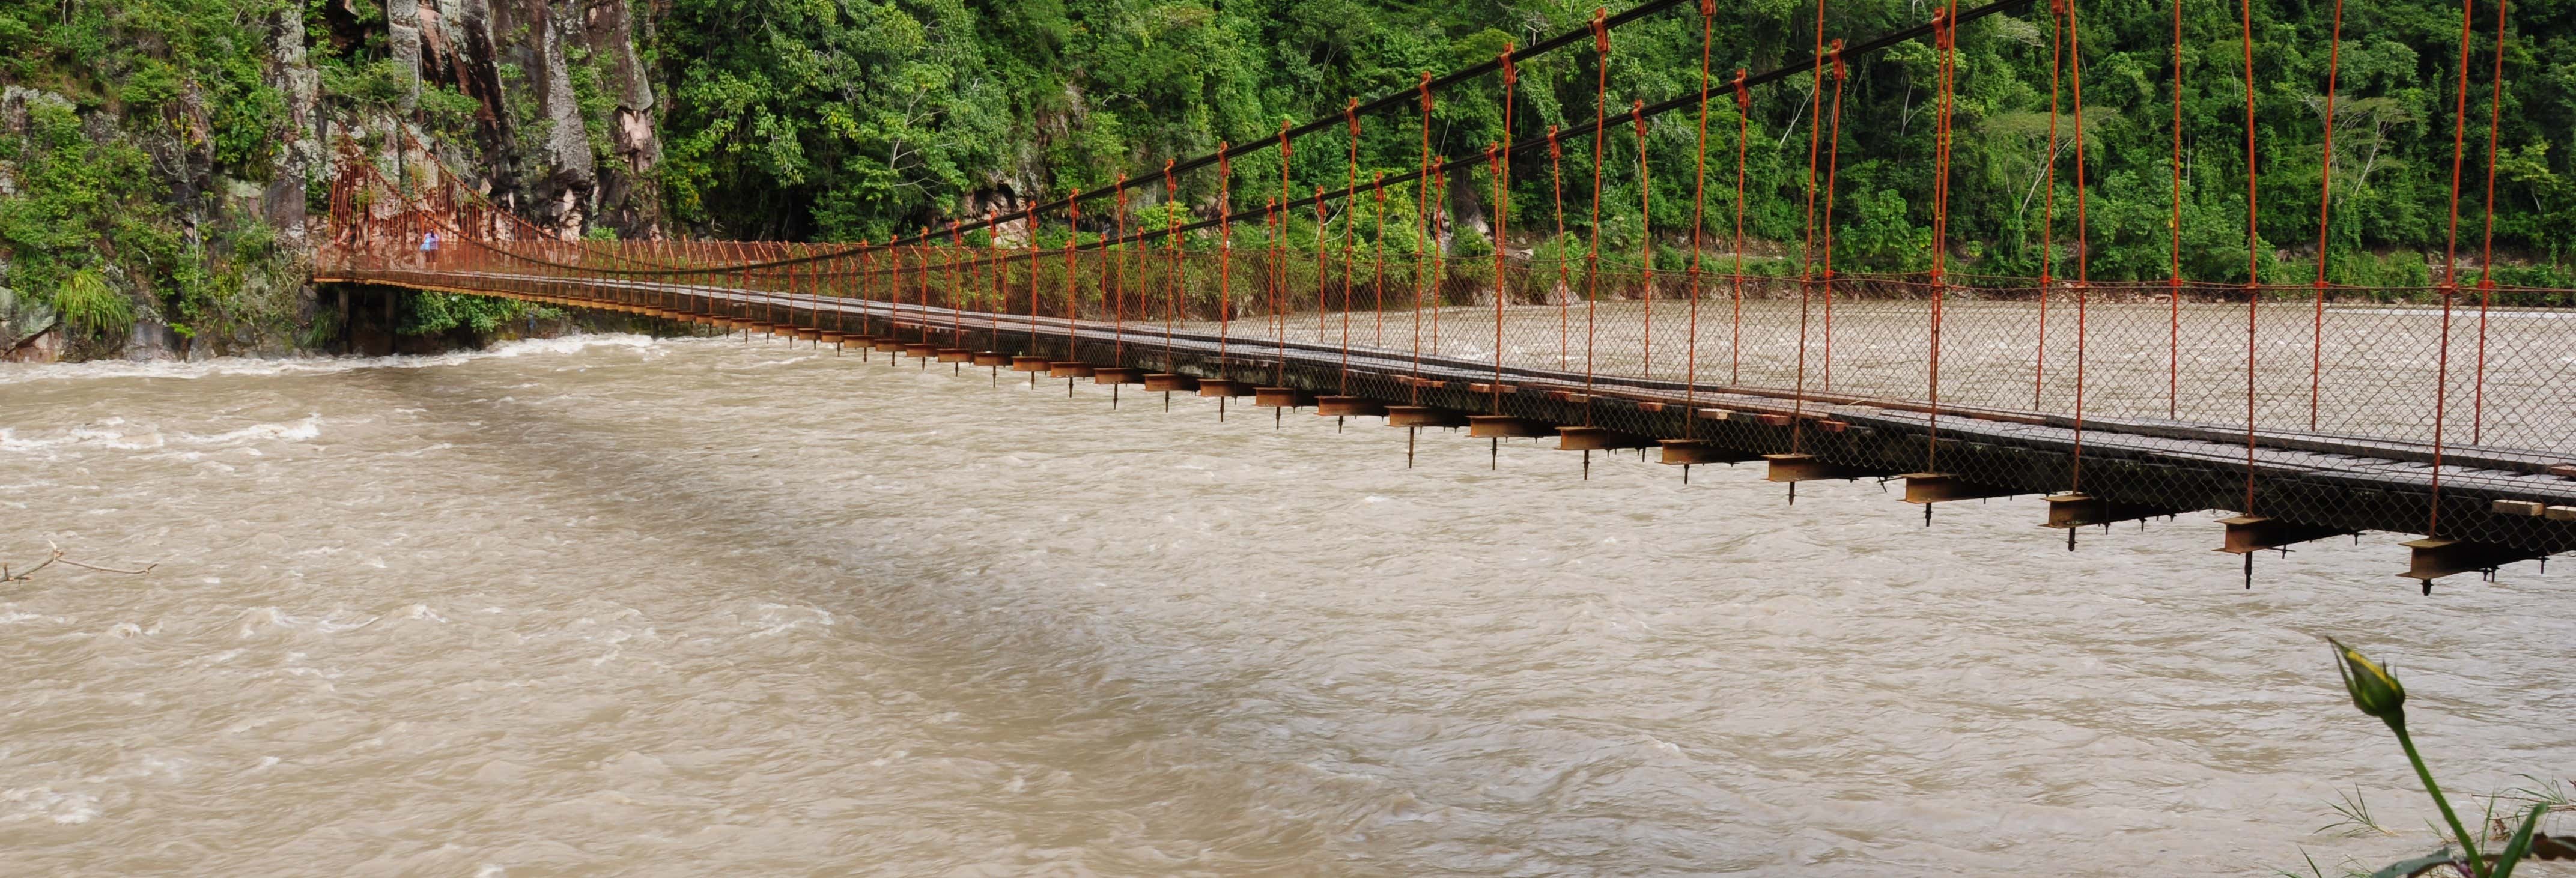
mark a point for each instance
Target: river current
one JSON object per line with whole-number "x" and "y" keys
{"x": 613, "y": 605}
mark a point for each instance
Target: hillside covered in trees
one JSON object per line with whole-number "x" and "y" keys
{"x": 155, "y": 149}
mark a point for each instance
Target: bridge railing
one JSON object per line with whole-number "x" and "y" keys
{"x": 2284, "y": 380}
{"x": 2353, "y": 362}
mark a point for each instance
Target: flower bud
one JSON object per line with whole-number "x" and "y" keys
{"x": 2373, "y": 689}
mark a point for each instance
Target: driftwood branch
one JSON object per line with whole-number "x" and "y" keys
{"x": 55, "y": 556}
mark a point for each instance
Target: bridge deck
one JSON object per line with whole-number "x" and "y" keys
{"x": 2323, "y": 481}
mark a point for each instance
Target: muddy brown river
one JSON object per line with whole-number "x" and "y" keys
{"x": 613, "y": 605}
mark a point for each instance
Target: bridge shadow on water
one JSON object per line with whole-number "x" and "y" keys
{"x": 801, "y": 478}
{"x": 1039, "y": 682}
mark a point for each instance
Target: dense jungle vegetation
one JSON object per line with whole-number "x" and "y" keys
{"x": 858, "y": 119}
{"x": 124, "y": 127}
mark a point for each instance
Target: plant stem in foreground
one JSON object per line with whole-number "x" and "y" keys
{"x": 2467, "y": 844}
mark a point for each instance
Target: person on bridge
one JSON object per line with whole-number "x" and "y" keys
{"x": 429, "y": 248}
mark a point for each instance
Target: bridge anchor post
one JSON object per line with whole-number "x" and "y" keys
{"x": 1223, "y": 389}
{"x": 1415, "y": 417}
{"x": 2432, "y": 558}
{"x": 2248, "y": 534}
{"x": 1590, "y": 439}
{"x": 1795, "y": 468}
{"x": 1926, "y": 489}
{"x": 1348, "y": 406}
{"x": 1686, "y": 452}
{"x": 1279, "y": 400}
{"x": 2070, "y": 511}
{"x": 1495, "y": 428}
{"x": 1031, "y": 365}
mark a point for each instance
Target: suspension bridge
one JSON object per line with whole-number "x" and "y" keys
{"x": 2299, "y": 411}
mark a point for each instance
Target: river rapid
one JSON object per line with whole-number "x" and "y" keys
{"x": 613, "y": 605}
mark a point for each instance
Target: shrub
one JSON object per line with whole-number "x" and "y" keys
{"x": 89, "y": 306}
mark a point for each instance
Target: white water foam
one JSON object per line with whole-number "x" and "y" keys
{"x": 22, "y": 373}
{"x": 29, "y": 803}
{"x": 117, "y": 434}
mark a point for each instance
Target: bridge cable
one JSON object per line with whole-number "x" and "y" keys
{"x": 1273, "y": 229}
{"x": 1699, "y": 225}
{"x": 1426, "y": 254}
{"x": 1592, "y": 255}
{"x": 2486, "y": 255}
{"x": 2083, "y": 241}
{"x": 2450, "y": 286}
{"x": 922, "y": 316}
{"x": 746, "y": 306}
{"x": 1564, "y": 291}
{"x": 1224, "y": 269}
{"x": 1440, "y": 195}
{"x": 862, "y": 280}
{"x": 1323, "y": 268}
{"x": 2048, "y": 200}
{"x": 1833, "y": 130}
{"x": 1391, "y": 100}
{"x": 746, "y": 254}
{"x": 763, "y": 261}
{"x": 1645, "y": 236}
{"x": 1502, "y": 208}
{"x": 1031, "y": 229}
{"x": 1001, "y": 290}
{"x": 1177, "y": 285}
{"x": 2253, "y": 247}
{"x": 1945, "y": 105}
{"x": 1118, "y": 285}
{"x": 1807, "y": 245}
{"x": 1350, "y": 230}
{"x": 1874, "y": 45}
{"x": 1743, "y": 129}
{"x": 956, "y": 306}
{"x": 787, "y": 284}
{"x": 1377, "y": 186}
{"x": 1279, "y": 262}
{"x": 2325, "y": 207}
{"x": 1072, "y": 281}
{"x": 1495, "y": 174}
{"x": 989, "y": 296}
{"x": 2173, "y": 227}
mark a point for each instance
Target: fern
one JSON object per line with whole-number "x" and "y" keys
{"x": 89, "y": 306}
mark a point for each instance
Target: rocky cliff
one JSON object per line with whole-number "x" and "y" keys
{"x": 170, "y": 154}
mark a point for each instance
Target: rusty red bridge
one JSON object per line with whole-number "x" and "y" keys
{"x": 2298, "y": 412}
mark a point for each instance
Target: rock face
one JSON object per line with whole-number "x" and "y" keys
{"x": 543, "y": 106}
{"x": 626, "y": 197}
{"x": 565, "y": 127}
{"x": 29, "y": 331}
{"x": 303, "y": 157}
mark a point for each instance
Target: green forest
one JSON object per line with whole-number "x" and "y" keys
{"x": 118, "y": 119}
{"x": 858, "y": 119}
